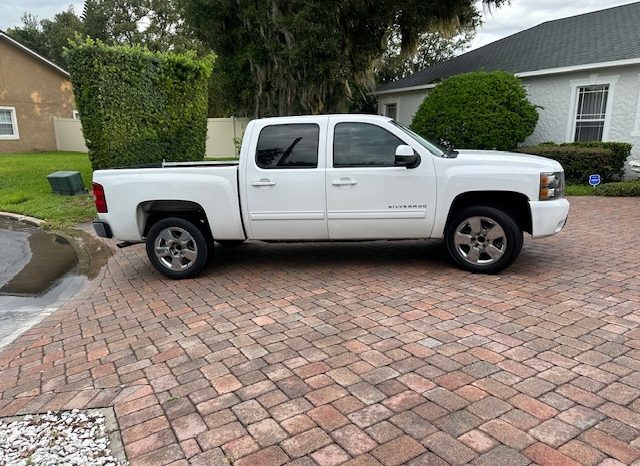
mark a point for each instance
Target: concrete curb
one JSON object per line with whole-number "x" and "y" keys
{"x": 23, "y": 218}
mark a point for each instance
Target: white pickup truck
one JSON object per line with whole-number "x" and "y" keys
{"x": 333, "y": 178}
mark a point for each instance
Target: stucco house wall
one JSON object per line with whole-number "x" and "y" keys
{"x": 556, "y": 95}
{"x": 38, "y": 92}
{"x": 407, "y": 102}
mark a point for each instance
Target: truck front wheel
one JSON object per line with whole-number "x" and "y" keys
{"x": 483, "y": 239}
{"x": 177, "y": 248}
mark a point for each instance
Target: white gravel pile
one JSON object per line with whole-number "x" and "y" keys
{"x": 70, "y": 438}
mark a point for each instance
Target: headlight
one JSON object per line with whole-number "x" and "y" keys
{"x": 551, "y": 186}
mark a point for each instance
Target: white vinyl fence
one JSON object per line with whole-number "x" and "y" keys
{"x": 221, "y": 133}
{"x": 68, "y": 132}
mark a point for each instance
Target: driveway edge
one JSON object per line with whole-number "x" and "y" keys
{"x": 24, "y": 218}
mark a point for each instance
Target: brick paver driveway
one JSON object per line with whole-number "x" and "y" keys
{"x": 364, "y": 353}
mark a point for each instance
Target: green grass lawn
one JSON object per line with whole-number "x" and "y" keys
{"x": 24, "y": 188}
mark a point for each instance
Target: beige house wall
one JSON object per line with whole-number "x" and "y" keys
{"x": 38, "y": 92}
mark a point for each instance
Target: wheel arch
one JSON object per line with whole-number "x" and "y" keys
{"x": 513, "y": 203}
{"x": 150, "y": 212}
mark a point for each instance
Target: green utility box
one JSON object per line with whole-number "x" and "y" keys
{"x": 66, "y": 182}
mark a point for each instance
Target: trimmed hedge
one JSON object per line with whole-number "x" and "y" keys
{"x": 138, "y": 106}
{"x": 480, "y": 110}
{"x": 581, "y": 159}
{"x": 619, "y": 189}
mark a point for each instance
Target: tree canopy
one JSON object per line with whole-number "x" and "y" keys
{"x": 433, "y": 47}
{"x": 278, "y": 57}
{"x": 154, "y": 24}
{"x": 48, "y": 37}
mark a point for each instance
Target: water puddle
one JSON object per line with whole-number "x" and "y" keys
{"x": 40, "y": 270}
{"x": 33, "y": 260}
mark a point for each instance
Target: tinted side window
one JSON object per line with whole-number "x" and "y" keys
{"x": 288, "y": 146}
{"x": 363, "y": 144}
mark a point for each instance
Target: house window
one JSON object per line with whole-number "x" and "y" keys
{"x": 591, "y": 112}
{"x": 391, "y": 111}
{"x": 8, "y": 123}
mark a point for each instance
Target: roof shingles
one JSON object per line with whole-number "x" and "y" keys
{"x": 597, "y": 37}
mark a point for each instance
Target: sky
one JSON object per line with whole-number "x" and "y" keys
{"x": 498, "y": 22}
{"x": 11, "y": 11}
{"x": 524, "y": 14}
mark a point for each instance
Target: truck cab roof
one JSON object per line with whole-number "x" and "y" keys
{"x": 294, "y": 118}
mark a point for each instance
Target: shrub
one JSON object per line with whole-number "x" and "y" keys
{"x": 581, "y": 159}
{"x": 477, "y": 111}
{"x": 137, "y": 106}
{"x": 619, "y": 189}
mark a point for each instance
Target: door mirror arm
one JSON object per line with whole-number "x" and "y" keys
{"x": 406, "y": 157}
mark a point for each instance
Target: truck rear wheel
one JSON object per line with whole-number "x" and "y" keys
{"x": 177, "y": 248}
{"x": 483, "y": 239}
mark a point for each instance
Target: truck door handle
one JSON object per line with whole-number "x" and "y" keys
{"x": 263, "y": 182}
{"x": 344, "y": 182}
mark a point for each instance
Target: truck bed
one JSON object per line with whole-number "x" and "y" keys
{"x": 211, "y": 185}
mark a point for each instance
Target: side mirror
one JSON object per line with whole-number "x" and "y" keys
{"x": 406, "y": 157}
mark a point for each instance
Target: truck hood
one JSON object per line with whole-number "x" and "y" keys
{"x": 535, "y": 162}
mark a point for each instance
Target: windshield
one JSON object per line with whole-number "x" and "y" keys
{"x": 432, "y": 146}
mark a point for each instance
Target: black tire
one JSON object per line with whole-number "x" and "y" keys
{"x": 186, "y": 248}
{"x": 486, "y": 252}
{"x": 230, "y": 243}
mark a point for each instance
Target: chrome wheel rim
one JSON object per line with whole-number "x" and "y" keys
{"x": 480, "y": 240}
{"x": 175, "y": 248}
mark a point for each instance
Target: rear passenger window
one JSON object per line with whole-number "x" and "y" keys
{"x": 363, "y": 145}
{"x": 288, "y": 146}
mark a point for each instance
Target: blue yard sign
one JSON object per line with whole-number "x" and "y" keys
{"x": 594, "y": 180}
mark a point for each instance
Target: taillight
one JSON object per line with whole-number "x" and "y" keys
{"x": 100, "y": 200}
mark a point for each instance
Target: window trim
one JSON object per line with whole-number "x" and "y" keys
{"x": 333, "y": 145}
{"x": 592, "y": 120}
{"x": 289, "y": 167}
{"x": 592, "y": 80}
{"x": 636, "y": 126}
{"x": 14, "y": 122}
{"x": 397, "y": 109}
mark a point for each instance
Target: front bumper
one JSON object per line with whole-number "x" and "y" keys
{"x": 103, "y": 230}
{"x": 548, "y": 217}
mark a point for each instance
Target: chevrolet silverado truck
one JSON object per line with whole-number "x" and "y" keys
{"x": 334, "y": 178}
